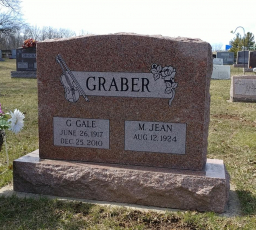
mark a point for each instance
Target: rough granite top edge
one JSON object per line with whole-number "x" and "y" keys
{"x": 183, "y": 39}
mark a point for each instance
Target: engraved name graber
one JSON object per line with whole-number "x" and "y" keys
{"x": 134, "y": 84}
{"x": 118, "y": 84}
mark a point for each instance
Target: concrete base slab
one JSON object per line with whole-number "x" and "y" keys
{"x": 23, "y": 74}
{"x": 233, "y": 206}
{"x": 148, "y": 186}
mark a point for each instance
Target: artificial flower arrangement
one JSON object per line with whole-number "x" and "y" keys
{"x": 29, "y": 43}
{"x": 12, "y": 121}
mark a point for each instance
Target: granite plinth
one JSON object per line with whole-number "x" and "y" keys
{"x": 23, "y": 74}
{"x": 240, "y": 65}
{"x": 133, "y": 55}
{"x": 205, "y": 190}
{"x": 243, "y": 88}
{"x": 248, "y": 70}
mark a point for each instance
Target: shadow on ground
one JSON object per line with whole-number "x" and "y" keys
{"x": 248, "y": 202}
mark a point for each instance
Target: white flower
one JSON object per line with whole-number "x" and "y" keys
{"x": 16, "y": 121}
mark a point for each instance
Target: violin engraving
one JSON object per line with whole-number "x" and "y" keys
{"x": 72, "y": 88}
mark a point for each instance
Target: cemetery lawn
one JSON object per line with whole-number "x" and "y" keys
{"x": 232, "y": 137}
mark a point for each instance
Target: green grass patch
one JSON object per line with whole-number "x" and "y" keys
{"x": 232, "y": 137}
{"x": 20, "y": 94}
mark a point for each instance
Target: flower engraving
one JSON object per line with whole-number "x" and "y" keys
{"x": 167, "y": 74}
{"x": 156, "y": 71}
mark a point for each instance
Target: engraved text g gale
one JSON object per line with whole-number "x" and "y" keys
{"x": 81, "y": 123}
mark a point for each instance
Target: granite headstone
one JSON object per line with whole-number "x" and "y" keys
{"x": 242, "y": 57}
{"x": 228, "y": 57}
{"x": 26, "y": 64}
{"x": 13, "y": 54}
{"x": 217, "y": 61}
{"x": 221, "y": 72}
{"x": 130, "y": 97}
{"x": 26, "y": 59}
{"x": 252, "y": 59}
{"x": 125, "y": 118}
{"x": 243, "y": 88}
{"x": 1, "y": 56}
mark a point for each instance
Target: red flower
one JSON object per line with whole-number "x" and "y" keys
{"x": 29, "y": 43}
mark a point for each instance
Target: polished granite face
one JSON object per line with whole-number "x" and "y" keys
{"x": 243, "y": 58}
{"x": 228, "y": 57}
{"x": 252, "y": 59}
{"x": 126, "y": 99}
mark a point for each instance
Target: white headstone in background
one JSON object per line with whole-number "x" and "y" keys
{"x": 217, "y": 61}
{"x": 221, "y": 72}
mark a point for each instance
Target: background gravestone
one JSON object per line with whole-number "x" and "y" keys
{"x": 252, "y": 59}
{"x": 228, "y": 57}
{"x": 242, "y": 57}
{"x": 26, "y": 64}
{"x": 217, "y": 61}
{"x": 26, "y": 59}
{"x": 221, "y": 72}
{"x": 1, "y": 56}
{"x": 125, "y": 118}
{"x": 13, "y": 54}
{"x": 243, "y": 88}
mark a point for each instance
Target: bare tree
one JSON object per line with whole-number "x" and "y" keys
{"x": 11, "y": 40}
{"x": 15, "y": 39}
{"x": 66, "y": 33}
{"x": 32, "y": 32}
{"x": 50, "y": 33}
{"x": 217, "y": 47}
{"x": 82, "y": 32}
{"x": 11, "y": 4}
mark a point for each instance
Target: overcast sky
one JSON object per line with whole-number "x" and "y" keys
{"x": 208, "y": 20}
